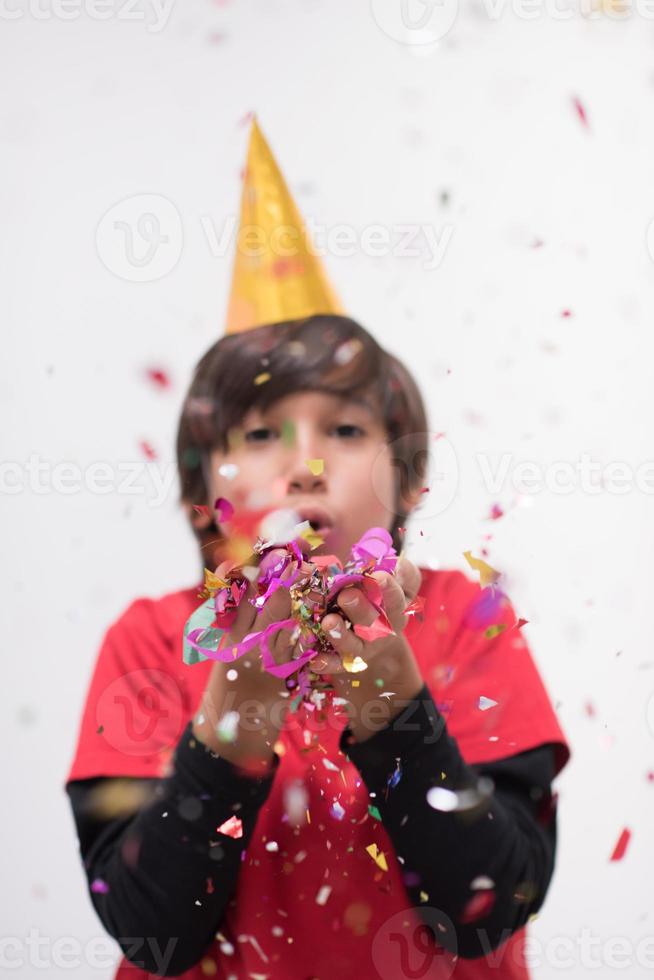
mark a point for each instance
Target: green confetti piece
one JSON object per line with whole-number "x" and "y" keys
{"x": 288, "y": 432}
{"x": 201, "y": 619}
{"x": 374, "y": 812}
{"x": 494, "y": 630}
{"x": 379, "y": 681}
{"x": 295, "y": 704}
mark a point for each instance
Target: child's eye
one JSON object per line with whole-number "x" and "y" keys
{"x": 257, "y": 435}
{"x": 358, "y": 429}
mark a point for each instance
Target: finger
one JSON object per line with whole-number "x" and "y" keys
{"x": 409, "y": 577}
{"x": 245, "y": 616}
{"x": 354, "y": 603}
{"x": 394, "y": 601}
{"x": 346, "y": 643}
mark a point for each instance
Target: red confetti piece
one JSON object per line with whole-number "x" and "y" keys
{"x": 581, "y": 111}
{"x": 621, "y": 847}
{"x": 231, "y": 828}
{"x": 478, "y": 906}
{"x": 200, "y": 508}
{"x": 158, "y": 377}
{"x": 521, "y": 622}
{"x": 210, "y": 888}
{"x": 495, "y": 513}
{"x": 147, "y": 449}
{"x": 589, "y": 708}
{"x": 424, "y": 489}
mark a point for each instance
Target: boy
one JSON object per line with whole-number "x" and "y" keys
{"x": 225, "y": 834}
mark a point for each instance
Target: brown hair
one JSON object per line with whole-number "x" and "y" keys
{"x": 328, "y": 353}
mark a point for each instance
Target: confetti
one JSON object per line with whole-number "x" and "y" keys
{"x": 486, "y": 703}
{"x": 317, "y": 466}
{"x": 487, "y": 575}
{"x": 337, "y": 810}
{"x": 158, "y": 377}
{"x": 223, "y": 508}
{"x": 228, "y": 470}
{"x": 374, "y": 812}
{"x": 377, "y": 856}
{"x": 581, "y": 111}
{"x": 279, "y": 559}
{"x": 231, "y": 828}
{"x": 99, "y": 886}
{"x": 147, "y": 449}
{"x": 478, "y": 907}
{"x": 323, "y": 894}
{"x": 449, "y": 801}
{"x": 262, "y": 378}
{"x": 620, "y": 848}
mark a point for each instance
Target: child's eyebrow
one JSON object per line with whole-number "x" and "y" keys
{"x": 359, "y": 400}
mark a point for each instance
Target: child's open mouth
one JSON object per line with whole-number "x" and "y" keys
{"x": 319, "y": 518}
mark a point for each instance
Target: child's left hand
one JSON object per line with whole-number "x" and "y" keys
{"x": 398, "y": 591}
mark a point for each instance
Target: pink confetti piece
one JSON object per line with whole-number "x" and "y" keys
{"x": 147, "y": 449}
{"x": 621, "y": 846}
{"x": 581, "y": 111}
{"x": 99, "y": 886}
{"x": 223, "y": 508}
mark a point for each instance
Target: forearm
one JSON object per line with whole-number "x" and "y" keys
{"x": 442, "y": 851}
{"x": 167, "y": 875}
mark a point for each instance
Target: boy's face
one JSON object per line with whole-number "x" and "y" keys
{"x": 268, "y": 454}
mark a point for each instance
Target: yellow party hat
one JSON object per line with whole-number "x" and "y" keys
{"x": 277, "y": 275}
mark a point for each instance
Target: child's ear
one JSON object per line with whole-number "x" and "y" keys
{"x": 411, "y": 499}
{"x": 200, "y": 520}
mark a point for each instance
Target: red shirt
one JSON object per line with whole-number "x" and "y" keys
{"x": 142, "y": 696}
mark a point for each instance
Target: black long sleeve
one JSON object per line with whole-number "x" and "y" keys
{"x": 507, "y": 836}
{"x": 155, "y": 899}
{"x": 160, "y": 879}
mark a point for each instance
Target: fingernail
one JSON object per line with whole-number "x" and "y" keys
{"x": 351, "y": 602}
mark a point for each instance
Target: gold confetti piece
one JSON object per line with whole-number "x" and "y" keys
{"x": 354, "y": 665}
{"x": 424, "y": 897}
{"x": 377, "y": 856}
{"x": 316, "y": 466}
{"x": 262, "y": 378}
{"x": 356, "y": 683}
{"x": 487, "y": 575}
{"x": 311, "y": 536}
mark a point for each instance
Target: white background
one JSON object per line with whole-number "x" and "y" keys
{"x": 370, "y": 129}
